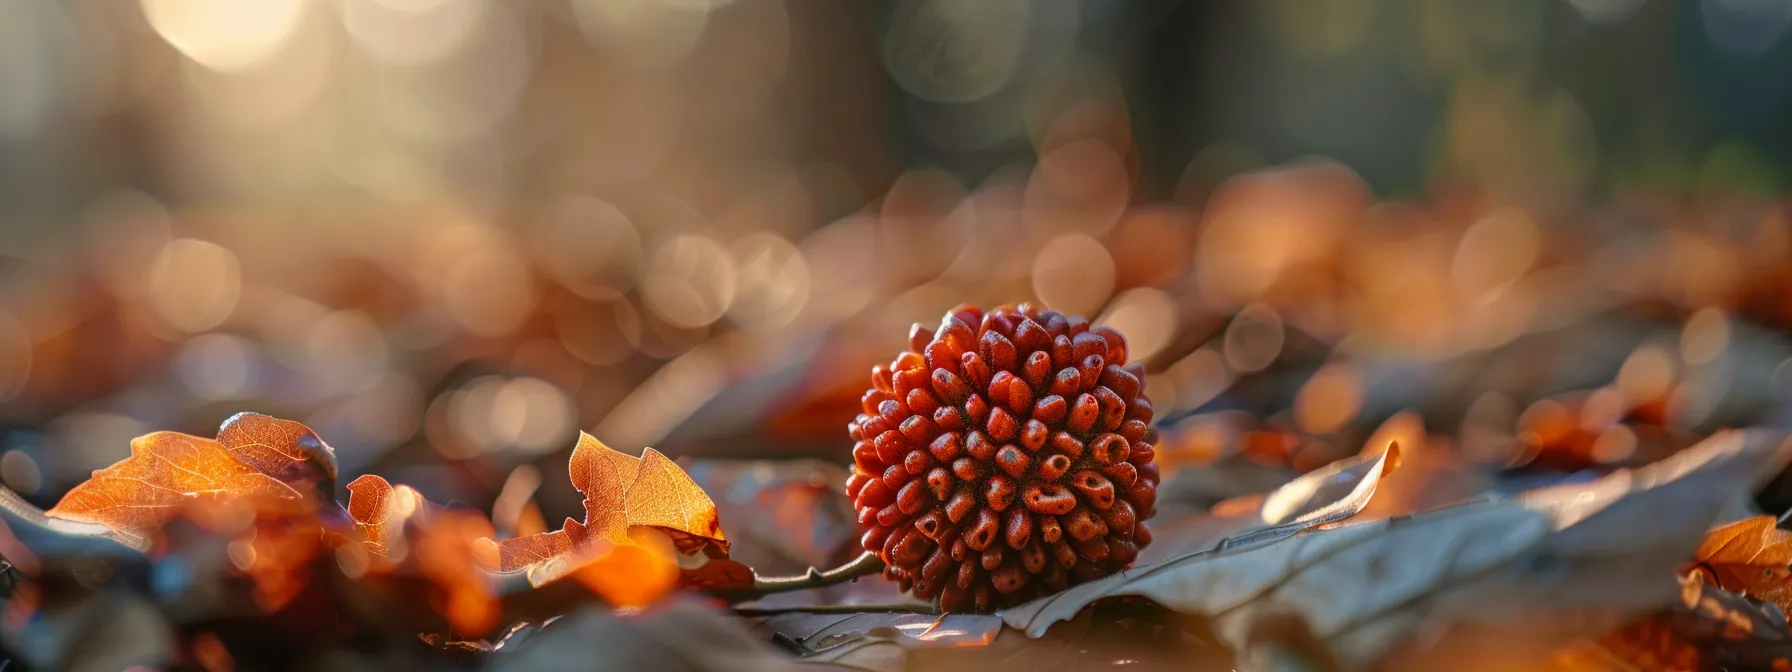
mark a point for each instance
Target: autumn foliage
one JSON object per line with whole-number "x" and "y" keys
{"x": 271, "y": 461}
{"x": 648, "y": 527}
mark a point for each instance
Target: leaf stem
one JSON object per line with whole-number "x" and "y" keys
{"x": 864, "y": 565}
{"x": 897, "y": 607}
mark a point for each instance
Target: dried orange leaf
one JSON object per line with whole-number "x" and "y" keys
{"x": 1750, "y": 557}
{"x": 547, "y": 556}
{"x": 647, "y": 527}
{"x": 379, "y": 511}
{"x": 165, "y": 472}
{"x": 604, "y": 476}
{"x": 284, "y": 449}
{"x": 664, "y": 496}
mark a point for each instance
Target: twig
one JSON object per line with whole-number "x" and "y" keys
{"x": 897, "y": 607}
{"x": 864, "y": 565}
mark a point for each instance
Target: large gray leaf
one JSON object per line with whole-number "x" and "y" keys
{"x": 1602, "y": 550}
{"x": 679, "y": 636}
{"x": 880, "y": 641}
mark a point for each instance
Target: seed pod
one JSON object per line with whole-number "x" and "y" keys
{"x": 980, "y": 447}
{"x": 976, "y": 410}
{"x": 1048, "y": 499}
{"x": 1060, "y": 352}
{"x": 1090, "y": 371}
{"x": 976, "y": 370}
{"x": 947, "y": 447}
{"x": 1002, "y": 426}
{"x": 1107, "y": 449}
{"x": 874, "y": 397}
{"x": 968, "y": 469}
{"x": 913, "y": 549}
{"x": 1083, "y": 414}
{"x": 1053, "y": 468}
{"x": 992, "y": 558}
{"x": 1031, "y": 337}
{"x": 1065, "y": 444}
{"x": 918, "y": 462}
{"x": 1116, "y": 344}
{"x": 918, "y": 429}
{"x": 1065, "y": 555}
{"x": 1086, "y": 344}
{"x": 1013, "y": 462}
{"x": 961, "y": 505}
{"x": 1009, "y": 578}
{"x": 1000, "y": 492}
{"x": 982, "y": 530}
{"x": 1033, "y": 557}
{"x": 1120, "y": 517}
{"x": 912, "y": 497}
{"x": 1121, "y": 382}
{"x": 1122, "y": 474}
{"x": 918, "y": 337}
{"x": 950, "y": 387}
{"x": 855, "y": 483}
{"x": 1095, "y": 489}
{"x": 998, "y": 351}
{"x": 1019, "y": 529}
{"x": 940, "y": 482}
{"x": 941, "y": 357}
{"x": 932, "y": 523}
{"x": 890, "y": 515}
{"x": 939, "y": 563}
{"x": 1113, "y": 408}
{"x": 1067, "y": 383}
{"x": 896, "y": 476}
{"x": 1082, "y": 524}
{"x": 876, "y": 495}
{"x": 880, "y": 382}
{"x": 1037, "y": 369}
{"x": 1003, "y": 456}
{"x": 1139, "y": 409}
{"x": 864, "y": 456}
{"x": 1033, "y": 435}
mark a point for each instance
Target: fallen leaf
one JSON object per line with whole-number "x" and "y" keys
{"x": 681, "y": 637}
{"x": 1431, "y": 473}
{"x": 604, "y": 476}
{"x": 1333, "y": 493}
{"x": 631, "y": 506}
{"x": 1119, "y": 636}
{"x": 663, "y": 496}
{"x": 1604, "y": 551}
{"x": 166, "y": 472}
{"x": 284, "y": 449}
{"x": 1318, "y": 497}
{"x": 404, "y": 531}
{"x": 820, "y": 632}
{"x": 1708, "y": 628}
{"x": 33, "y": 541}
{"x": 379, "y": 511}
{"x": 1751, "y": 557}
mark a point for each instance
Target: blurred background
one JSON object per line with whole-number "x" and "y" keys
{"x": 450, "y": 234}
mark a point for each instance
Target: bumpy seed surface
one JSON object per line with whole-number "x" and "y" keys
{"x": 1004, "y": 456}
